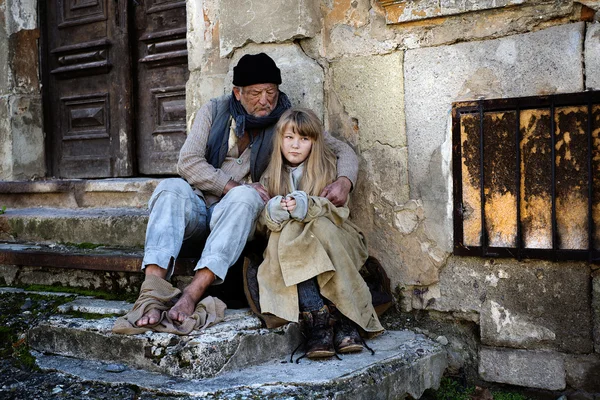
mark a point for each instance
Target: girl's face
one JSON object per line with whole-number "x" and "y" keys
{"x": 294, "y": 147}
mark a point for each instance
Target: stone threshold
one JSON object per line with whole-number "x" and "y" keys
{"x": 404, "y": 364}
{"x": 234, "y": 358}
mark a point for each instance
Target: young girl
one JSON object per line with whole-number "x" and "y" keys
{"x": 314, "y": 252}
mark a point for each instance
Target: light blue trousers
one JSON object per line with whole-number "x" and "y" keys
{"x": 180, "y": 222}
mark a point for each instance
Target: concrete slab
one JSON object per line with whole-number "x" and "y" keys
{"x": 403, "y": 364}
{"x": 106, "y": 226}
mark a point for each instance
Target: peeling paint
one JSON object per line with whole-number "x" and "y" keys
{"x": 23, "y": 15}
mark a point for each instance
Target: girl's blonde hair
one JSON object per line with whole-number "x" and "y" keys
{"x": 319, "y": 166}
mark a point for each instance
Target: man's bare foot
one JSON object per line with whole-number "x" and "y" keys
{"x": 192, "y": 294}
{"x": 184, "y": 307}
{"x": 150, "y": 318}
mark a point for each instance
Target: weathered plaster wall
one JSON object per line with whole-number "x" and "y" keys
{"x": 21, "y": 132}
{"x": 387, "y": 89}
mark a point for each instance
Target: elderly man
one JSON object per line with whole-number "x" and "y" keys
{"x": 219, "y": 198}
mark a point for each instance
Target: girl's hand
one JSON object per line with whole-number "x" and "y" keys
{"x": 288, "y": 204}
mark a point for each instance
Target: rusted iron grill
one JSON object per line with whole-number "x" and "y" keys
{"x": 526, "y": 177}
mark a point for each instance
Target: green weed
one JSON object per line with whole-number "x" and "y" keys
{"x": 99, "y": 294}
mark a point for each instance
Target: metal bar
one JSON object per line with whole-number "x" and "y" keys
{"x": 553, "y": 183}
{"x": 483, "y": 237}
{"x": 457, "y": 180}
{"x": 590, "y": 181}
{"x": 519, "y": 238}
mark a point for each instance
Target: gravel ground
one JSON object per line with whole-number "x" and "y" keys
{"x": 20, "y": 379}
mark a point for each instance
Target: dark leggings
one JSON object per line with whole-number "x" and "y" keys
{"x": 309, "y": 296}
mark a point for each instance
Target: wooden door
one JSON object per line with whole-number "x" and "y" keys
{"x": 89, "y": 94}
{"x": 162, "y": 73}
{"x": 116, "y": 73}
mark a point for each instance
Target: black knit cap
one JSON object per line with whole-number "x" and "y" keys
{"x": 256, "y": 68}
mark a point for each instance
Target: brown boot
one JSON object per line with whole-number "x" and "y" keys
{"x": 346, "y": 338}
{"x": 319, "y": 331}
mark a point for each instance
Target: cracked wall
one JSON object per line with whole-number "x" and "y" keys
{"x": 22, "y": 152}
{"x": 387, "y": 89}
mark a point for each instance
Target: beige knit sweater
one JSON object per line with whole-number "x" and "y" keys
{"x": 209, "y": 182}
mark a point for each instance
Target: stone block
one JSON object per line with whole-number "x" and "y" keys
{"x": 28, "y": 151}
{"x": 539, "y": 305}
{"x": 583, "y": 372}
{"x": 371, "y": 91}
{"x": 344, "y": 40}
{"x": 354, "y": 13}
{"x": 533, "y": 304}
{"x": 302, "y": 78}
{"x": 464, "y": 284}
{"x": 543, "y": 62}
{"x": 535, "y": 369}
{"x": 596, "y": 308}
{"x": 415, "y": 10}
{"x": 105, "y": 226}
{"x": 266, "y": 22}
{"x": 592, "y": 57}
{"x": 200, "y": 88}
{"x": 6, "y": 138}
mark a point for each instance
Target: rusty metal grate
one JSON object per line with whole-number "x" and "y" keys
{"x": 527, "y": 177}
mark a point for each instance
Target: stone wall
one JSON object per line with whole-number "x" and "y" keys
{"x": 21, "y": 126}
{"x": 384, "y": 74}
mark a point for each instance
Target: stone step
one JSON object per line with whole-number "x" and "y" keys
{"x": 233, "y": 359}
{"x": 404, "y": 364}
{"x": 104, "y": 226}
{"x": 231, "y": 344}
{"x": 76, "y": 193}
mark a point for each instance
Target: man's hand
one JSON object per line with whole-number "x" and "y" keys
{"x": 264, "y": 195}
{"x": 337, "y": 191}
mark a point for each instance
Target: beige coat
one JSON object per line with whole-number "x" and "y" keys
{"x": 326, "y": 245}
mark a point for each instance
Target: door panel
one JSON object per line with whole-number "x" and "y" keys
{"x": 89, "y": 88}
{"x": 96, "y": 79}
{"x": 161, "y": 76}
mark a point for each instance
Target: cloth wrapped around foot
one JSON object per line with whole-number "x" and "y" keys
{"x": 156, "y": 293}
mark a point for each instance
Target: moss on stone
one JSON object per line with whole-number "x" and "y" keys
{"x": 84, "y": 245}
{"x": 84, "y": 292}
{"x": 90, "y": 316}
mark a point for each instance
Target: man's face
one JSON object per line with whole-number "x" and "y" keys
{"x": 258, "y": 100}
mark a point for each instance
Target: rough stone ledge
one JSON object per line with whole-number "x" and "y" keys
{"x": 107, "y": 226}
{"x": 73, "y": 193}
{"x": 403, "y": 364}
{"x": 232, "y": 343}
